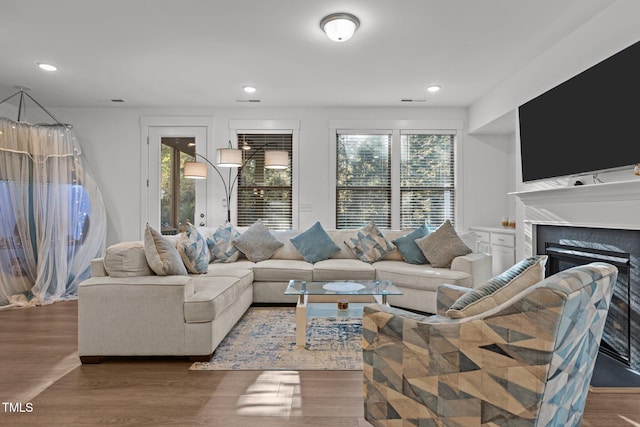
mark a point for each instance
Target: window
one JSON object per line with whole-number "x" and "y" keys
{"x": 397, "y": 178}
{"x": 178, "y": 195}
{"x": 265, "y": 194}
{"x": 363, "y": 190}
{"x": 426, "y": 179}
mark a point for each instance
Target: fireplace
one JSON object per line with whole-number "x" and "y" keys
{"x": 568, "y": 246}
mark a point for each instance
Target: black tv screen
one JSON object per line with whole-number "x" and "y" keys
{"x": 589, "y": 123}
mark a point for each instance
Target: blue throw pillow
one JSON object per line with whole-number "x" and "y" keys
{"x": 408, "y": 248}
{"x": 314, "y": 244}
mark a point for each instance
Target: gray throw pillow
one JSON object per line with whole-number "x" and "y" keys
{"x": 442, "y": 246}
{"x": 499, "y": 289}
{"x": 162, "y": 255}
{"x": 314, "y": 244}
{"x": 257, "y": 243}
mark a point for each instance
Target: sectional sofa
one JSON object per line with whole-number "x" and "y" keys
{"x": 125, "y": 309}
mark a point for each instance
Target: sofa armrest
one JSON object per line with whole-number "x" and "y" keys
{"x": 97, "y": 268}
{"x": 120, "y": 315}
{"x": 477, "y": 264}
{"x": 446, "y": 295}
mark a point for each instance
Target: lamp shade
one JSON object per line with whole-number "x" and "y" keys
{"x": 229, "y": 157}
{"x": 339, "y": 27}
{"x": 195, "y": 170}
{"x": 276, "y": 159}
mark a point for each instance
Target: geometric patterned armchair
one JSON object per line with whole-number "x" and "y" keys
{"x": 526, "y": 362}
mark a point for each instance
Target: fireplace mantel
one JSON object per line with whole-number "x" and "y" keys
{"x": 608, "y": 191}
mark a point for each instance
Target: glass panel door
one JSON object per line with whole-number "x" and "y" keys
{"x": 172, "y": 199}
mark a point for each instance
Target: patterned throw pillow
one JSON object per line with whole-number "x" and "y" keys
{"x": 314, "y": 244}
{"x": 257, "y": 243}
{"x": 221, "y": 245}
{"x": 193, "y": 250}
{"x": 161, "y": 254}
{"x": 499, "y": 289}
{"x": 408, "y": 248}
{"x": 442, "y": 246}
{"x": 369, "y": 244}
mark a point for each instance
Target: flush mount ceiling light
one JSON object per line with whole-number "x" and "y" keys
{"x": 46, "y": 66}
{"x": 433, "y": 88}
{"x": 249, "y": 88}
{"x": 339, "y": 27}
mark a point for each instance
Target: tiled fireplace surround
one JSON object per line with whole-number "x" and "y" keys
{"x": 599, "y": 216}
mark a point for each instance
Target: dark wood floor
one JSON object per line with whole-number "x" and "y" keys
{"x": 39, "y": 369}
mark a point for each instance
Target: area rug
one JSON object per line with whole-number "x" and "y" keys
{"x": 265, "y": 339}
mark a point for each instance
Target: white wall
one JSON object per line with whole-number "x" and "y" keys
{"x": 489, "y": 177}
{"x": 111, "y": 142}
{"x": 609, "y": 32}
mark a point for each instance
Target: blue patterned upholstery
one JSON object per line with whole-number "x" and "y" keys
{"x": 193, "y": 250}
{"x": 526, "y": 362}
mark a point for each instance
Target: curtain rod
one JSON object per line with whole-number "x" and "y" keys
{"x": 22, "y": 91}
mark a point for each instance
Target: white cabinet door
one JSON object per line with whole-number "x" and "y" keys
{"x": 502, "y": 258}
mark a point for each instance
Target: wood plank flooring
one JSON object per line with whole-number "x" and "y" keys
{"x": 39, "y": 365}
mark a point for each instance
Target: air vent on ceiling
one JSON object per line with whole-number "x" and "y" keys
{"x": 247, "y": 100}
{"x": 412, "y": 100}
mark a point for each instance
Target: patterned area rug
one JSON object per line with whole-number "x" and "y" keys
{"x": 265, "y": 339}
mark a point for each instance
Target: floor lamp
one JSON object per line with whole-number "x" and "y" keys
{"x": 232, "y": 158}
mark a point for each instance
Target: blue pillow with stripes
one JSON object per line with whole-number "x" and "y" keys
{"x": 500, "y": 289}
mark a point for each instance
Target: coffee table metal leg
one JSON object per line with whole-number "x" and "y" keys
{"x": 301, "y": 321}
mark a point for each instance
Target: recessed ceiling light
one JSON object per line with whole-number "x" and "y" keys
{"x": 249, "y": 88}
{"x": 433, "y": 88}
{"x": 47, "y": 66}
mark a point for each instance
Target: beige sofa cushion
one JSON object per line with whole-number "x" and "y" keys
{"x": 212, "y": 296}
{"x": 282, "y": 270}
{"x": 339, "y": 237}
{"x": 233, "y": 269}
{"x": 419, "y": 276}
{"x": 126, "y": 259}
{"x": 288, "y": 250}
{"x": 342, "y": 269}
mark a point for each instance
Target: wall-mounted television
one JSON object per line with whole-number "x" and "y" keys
{"x": 589, "y": 123}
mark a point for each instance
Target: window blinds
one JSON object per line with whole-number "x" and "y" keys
{"x": 265, "y": 194}
{"x": 427, "y": 192}
{"x": 363, "y": 189}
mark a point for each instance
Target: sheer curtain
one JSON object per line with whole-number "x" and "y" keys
{"x": 52, "y": 217}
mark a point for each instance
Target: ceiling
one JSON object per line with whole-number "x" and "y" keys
{"x": 199, "y": 53}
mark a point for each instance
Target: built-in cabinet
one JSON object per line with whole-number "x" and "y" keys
{"x": 500, "y": 243}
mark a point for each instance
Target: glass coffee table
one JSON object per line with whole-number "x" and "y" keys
{"x": 322, "y": 299}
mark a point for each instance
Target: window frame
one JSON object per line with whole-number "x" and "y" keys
{"x": 258, "y": 157}
{"x": 241, "y": 126}
{"x": 441, "y": 189}
{"x": 443, "y": 126}
{"x": 361, "y": 188}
